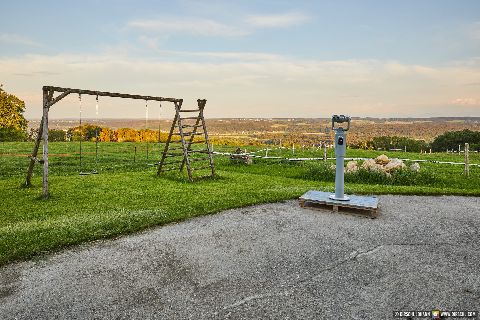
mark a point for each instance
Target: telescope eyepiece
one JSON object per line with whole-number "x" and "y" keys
{"x": 340, "y": 119}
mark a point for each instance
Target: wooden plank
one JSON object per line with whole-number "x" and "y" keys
{"x": 109, "y": 94}
{"x": 190, "y": 134}
{"x": 190, "y": 159}
{"x": 201, "y": 106}
{"x": 165, "y": 151}
{"x": 320, "y": 198}
{"x": 57, "y": 99}
{"x": 191, "y": 126}
{"x": 190, "y": 110}
{"x": 202, "y": 168}
{"x": 339, "y": 209}
{"x": 33, "y": 158}
{"x": 46, "y": 98}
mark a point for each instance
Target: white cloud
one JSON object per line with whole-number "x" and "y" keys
{"x": 239, "y": 56}
{"x": 191, "y": 25}
{"x": 466, "y": 101}
{"x": 9, "y": 38}
{"x": 238, "y": 87}
{"x": 277, "y": 20}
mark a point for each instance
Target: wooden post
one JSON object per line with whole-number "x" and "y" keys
{"x": 201, "y": 105}
{"x": 46, "y": 99}
{"x": 167, "y": 143}
{"x": 467, "y": 168}
{"x": 324, "y": 152}
{"x": 33, "y": 159}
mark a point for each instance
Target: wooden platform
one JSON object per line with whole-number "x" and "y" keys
{"x": 357, "y": 204}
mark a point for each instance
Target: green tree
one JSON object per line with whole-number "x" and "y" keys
{"x": 11, "y": 111}
{"x": 13, "y": 125}
{"x": 56, "y": 135}
{"x": 89, "y": 133}
{"x": 452, "y": 139}
{"x": 387, "y": 143}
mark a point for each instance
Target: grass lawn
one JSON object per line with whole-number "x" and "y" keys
{"x": 127, "y": 196}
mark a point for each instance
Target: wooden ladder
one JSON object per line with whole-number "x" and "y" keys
{"x": 188, "y": 154}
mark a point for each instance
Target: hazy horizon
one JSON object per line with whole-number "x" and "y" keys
{"x": 259, "y": 118}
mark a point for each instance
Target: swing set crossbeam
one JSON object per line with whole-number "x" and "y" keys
{"x": 67, "y": 91}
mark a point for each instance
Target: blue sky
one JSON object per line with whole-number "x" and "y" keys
{"x": 249, "y": 58}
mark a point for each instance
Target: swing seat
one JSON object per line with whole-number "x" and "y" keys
{"x": 83, "y": 173}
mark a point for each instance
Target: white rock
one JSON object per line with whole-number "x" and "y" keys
{"x": 382, "y": 159}
{"x": 368, "y": 164}
{"x": 394, "y": 164}
{"x": 352, "y": 166}
{"x": 415, "y": 167}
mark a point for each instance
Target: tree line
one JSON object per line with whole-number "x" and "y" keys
{"x": 448, "y": 141}
{"x": 89, "y": 132}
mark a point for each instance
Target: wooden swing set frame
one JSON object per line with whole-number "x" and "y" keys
{"x": 49, "y": 100}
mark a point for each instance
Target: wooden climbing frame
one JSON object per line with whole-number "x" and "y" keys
{"x": 186, "y": 152}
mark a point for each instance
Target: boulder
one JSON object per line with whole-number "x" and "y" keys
{"x": 415, "y": 167}
{"x": 352, "y": 166}
{"x": 239, "y": 157}
{"x": 394, "y": 164}
{"x": 382, "y": 159}
{"x": 368, "y": 164}
{"x": 378, "y": 167}
{"x": 371, "y": 165}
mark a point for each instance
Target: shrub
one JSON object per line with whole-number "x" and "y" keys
{"x": 12, "y": 134}
{"x": 405, "y": 177}
{"x": 451, "y": 140}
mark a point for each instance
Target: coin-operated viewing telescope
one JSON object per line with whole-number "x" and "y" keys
{"x": 340, "y": 151}
{"x": 340, "y": 124}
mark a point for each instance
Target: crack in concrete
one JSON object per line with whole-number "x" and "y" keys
{"x": 352, "y": 256}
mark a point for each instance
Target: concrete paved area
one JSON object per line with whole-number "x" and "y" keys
{"x": 273, "y": 261}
